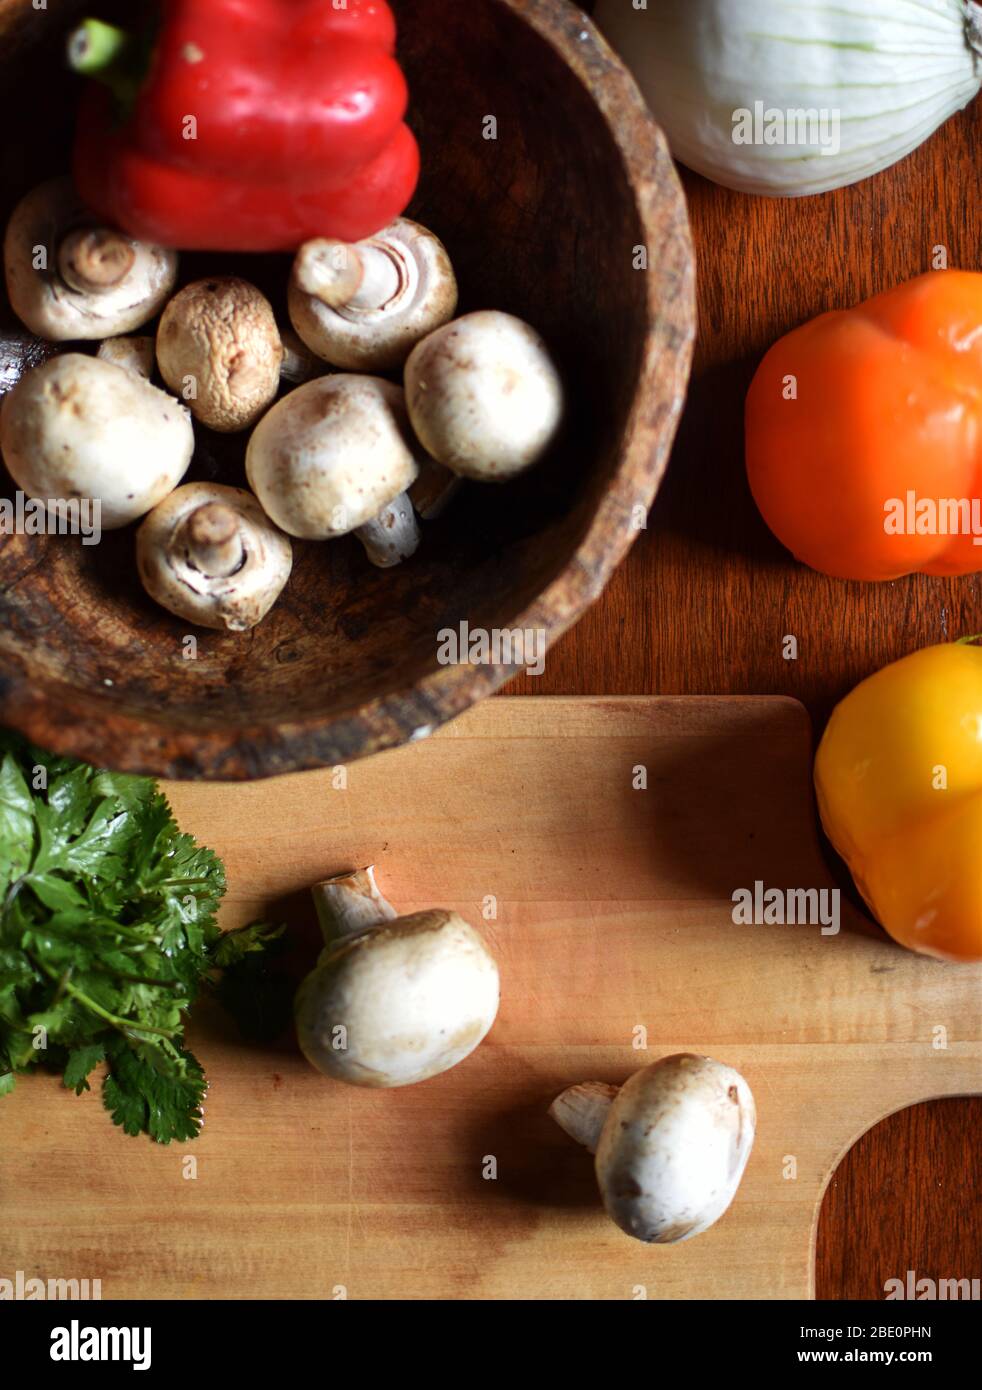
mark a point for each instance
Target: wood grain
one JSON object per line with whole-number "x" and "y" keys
{"x": 704, "y": 599}
{"x": 613, "y": 913}
{"x": 906, "y": 1196}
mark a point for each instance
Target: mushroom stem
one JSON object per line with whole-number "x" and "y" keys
{"x": 434, "y": 489}
{"x": 393, "y": 536}
{"x": 299, "y": 364}
{"x": 582, "y": 1111}
{"x": 93, "y": 260}
{"x": 367, "y": 276}
{"x": 385, "y": 278}
{"x": 214, "y": 541}
{"x": 329, "y": 270}
{"x": 350, "y": 904}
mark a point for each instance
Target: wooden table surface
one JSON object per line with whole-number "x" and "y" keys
{"x": 608, "y": 906}
{"x": 707, "y": 595}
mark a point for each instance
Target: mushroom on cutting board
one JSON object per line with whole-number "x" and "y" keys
{"x": 484, "y": 396}
{"x": 365, "y": 307}
{"x": 671, "y": 1144}
{"x": 218, "y": 348}
{"x": 69, "y": 279}
{"x": 334, "y": 457}
{"x": 80, "y": 427}
{"x": 210, "y": 554}
{"x": 393, "y": 1000}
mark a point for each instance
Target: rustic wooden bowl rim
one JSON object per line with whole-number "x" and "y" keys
{"x": 67, "y": 722}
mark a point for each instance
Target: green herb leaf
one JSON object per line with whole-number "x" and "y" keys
{"x": 232, "y": 946}
{"x": 80, "y": 1062}
{"x": 142, "y": 1099}
{"x": 16, "y": 823}
{"x": 259, "y": 999}
{"x": 107, "y": 936}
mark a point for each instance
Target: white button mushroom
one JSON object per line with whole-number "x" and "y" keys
{"x": 218, "y": 348}
{"x": 671, "y": 1145}
{"x": 210, "y": 554}
{"x": 70, "y": 280}
{"x": 135, "y": 354}
{"x": 335, "y": 456}
{"x": 484, "y": 396}
{"x": 79, "y": 427}
{"x": 365, "y": 307}
{"x": 394, "y": 1000}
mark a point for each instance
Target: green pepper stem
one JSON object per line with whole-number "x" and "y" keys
{"x": 111, "y": 56}
{"x": 95, "y": 47}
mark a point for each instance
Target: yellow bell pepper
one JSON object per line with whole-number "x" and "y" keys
{"x": 899, "y": 782}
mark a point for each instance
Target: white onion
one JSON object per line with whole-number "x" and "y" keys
{"x": 893, "y": 70}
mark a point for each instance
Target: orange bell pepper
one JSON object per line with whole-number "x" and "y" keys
{"x": 864, "y": 433}
{"x": 899, "y": 782}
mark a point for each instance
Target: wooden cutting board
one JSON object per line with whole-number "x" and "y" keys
{"x": 613, "y": 926}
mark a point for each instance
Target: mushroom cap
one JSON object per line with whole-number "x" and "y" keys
{"x": 380, "y": 339}
{"x": 222, "y": 334}
{"x": 484, "y": 395}
{"x": 406, "y": 1000}
{"x": 48, "y": 306}
{"x": 237, "y": 601}
{"x": 135, "y": 354}
{"x": 674, "y": 1147}
{"x": 331, "y": 455}
{"x": 78, "y": 426}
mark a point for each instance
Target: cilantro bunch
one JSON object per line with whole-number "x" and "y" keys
{"x": 107, "y": 936}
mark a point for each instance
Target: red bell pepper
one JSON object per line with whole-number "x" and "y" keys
{"x": 260, "y": 125}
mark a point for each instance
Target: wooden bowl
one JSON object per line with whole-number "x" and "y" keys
{"x": 547, "y": 221}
